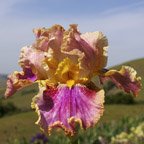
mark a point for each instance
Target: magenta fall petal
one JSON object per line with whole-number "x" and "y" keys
{"x": 63, "y": 107}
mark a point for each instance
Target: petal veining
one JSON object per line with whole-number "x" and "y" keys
{"x": 63, "y": 107}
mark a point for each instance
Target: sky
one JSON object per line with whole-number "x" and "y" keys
{"x": 121, "y": 21}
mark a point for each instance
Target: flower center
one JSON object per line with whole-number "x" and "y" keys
{"x": 67, "y": 72}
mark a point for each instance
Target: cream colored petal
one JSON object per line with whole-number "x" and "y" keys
{"x": 90, "y": 48}
{"x": 98, "y": 44}
{"x": 48, "y": 38}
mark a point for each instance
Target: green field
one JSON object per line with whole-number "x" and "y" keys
{"x": 22, "y": 124}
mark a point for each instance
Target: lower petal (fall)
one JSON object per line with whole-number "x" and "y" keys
{"x": 125, "y": 79}
{"x": 63, "y": 107}
{"x": 19, "y": 80}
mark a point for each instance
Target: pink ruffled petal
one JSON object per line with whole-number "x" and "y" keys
{"x": 18, "y": 80}
{"x": 33, "y": 58}
{"x": 64, "y": 107}
{"x": 125, "y": 79}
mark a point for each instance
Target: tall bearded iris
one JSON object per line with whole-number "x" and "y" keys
{"x": 63, "y": 63}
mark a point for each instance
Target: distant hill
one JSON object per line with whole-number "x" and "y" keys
{"x": 3, "y": 78}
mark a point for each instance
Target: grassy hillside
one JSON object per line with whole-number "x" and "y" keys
{"x": 22, "y": 124}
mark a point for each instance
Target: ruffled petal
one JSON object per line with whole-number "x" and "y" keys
{"x": 49, "y": 41}
{"x": 99, "y": 45}
{"x": 125, "y": 79}
{"x": 18, "y": 80}
{"x": 33, "y": 58}
{"x": 73, "y": 49}
{"x": 48, "y": 38}
{"x": 91, "y": 49}
{"x": 64, "y": 107}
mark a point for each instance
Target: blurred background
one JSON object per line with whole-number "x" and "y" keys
{"x": 121, "y": 21}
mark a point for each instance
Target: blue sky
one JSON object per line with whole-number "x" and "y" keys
{"x": 121, "y": 21}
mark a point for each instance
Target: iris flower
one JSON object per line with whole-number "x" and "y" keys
{"x": 63, "y": 63}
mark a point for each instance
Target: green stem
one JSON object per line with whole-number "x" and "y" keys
{"x": 74, "y": 140}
